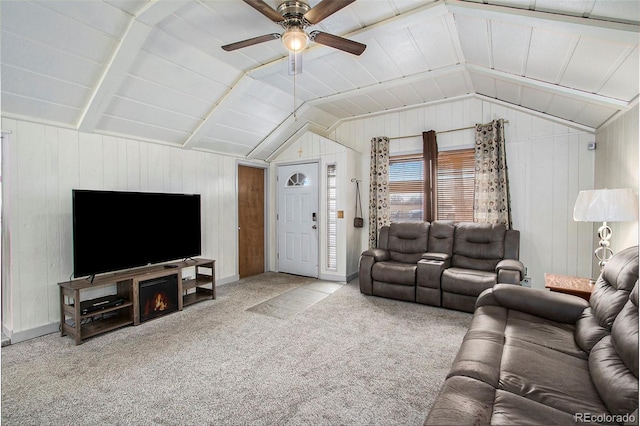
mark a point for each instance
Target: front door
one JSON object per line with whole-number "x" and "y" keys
{"x": 250, "y": 221}
{"x": 298, "y": 219}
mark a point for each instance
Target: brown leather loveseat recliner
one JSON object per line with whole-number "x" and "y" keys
{"x": 441, "y": 263}
{"x": 535, "y": 357}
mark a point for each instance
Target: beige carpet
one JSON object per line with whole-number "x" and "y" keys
{"x": 347, "y": 359}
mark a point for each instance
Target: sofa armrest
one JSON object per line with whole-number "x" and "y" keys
{"x": 442, "y": 257}
{"x": 510, "y": 271}
{"x": 378, "y": 254}
{"x": 558, "y": 307}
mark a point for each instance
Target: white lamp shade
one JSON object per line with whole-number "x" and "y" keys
{"x": 606, "y": 205}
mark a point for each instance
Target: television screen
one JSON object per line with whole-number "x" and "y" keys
{"x": 115, "y": 230}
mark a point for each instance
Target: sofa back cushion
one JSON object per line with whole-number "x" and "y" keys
{"x": 613, "y": 361}
{"x": 441, "y": 237}
{"x": 478, "y": 246}
{"x": 609, "y": 295}
{"x": 407, "y": 241}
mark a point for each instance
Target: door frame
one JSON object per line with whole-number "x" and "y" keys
{"x": 265, "y": 169}
{"x": 277, "y": 210}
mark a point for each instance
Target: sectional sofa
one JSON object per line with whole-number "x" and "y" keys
{"x": 440, "y": 263}
{"x": 535, "y": 357}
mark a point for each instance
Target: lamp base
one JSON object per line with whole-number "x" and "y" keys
{"x": 603, "y": 253}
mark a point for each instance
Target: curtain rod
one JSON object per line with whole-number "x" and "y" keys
{"x": 443, "y": 131}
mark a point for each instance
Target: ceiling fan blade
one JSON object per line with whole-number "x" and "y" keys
{"x": 250, "y": 42}
{"x": 265, "y": 9}
{"x": 337, "y": 42}
{"x": 324, "y": 9}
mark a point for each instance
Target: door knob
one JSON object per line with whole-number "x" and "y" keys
{"x": 315, "y": 227}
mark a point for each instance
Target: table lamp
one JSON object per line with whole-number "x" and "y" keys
{"x": 605, "y": 205}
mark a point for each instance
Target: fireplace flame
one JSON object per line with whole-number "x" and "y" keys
{"x": 158, "y": 303}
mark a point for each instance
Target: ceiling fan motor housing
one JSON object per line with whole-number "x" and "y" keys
{"x": 293, "y": 13}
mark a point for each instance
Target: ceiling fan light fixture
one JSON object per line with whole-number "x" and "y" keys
{"x": 295, "y": 39}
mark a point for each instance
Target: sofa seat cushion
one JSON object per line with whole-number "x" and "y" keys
{"x": 469, "y": 282}
{"x": 550, "y": 377}
{"x": 540, "y": 331}
{"x": 394, "y": 272}
{"x": 510, "y": 409}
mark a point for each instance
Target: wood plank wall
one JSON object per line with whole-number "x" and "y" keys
{"x": 617, "y": 167}
{"x": 42, "y": 164}
{"x": 548, "y": 165}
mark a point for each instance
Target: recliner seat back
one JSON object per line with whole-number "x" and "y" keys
{"x": 478, "y": 246}
{"x": 610, "y": 293}
{"x": 407, "y": 241}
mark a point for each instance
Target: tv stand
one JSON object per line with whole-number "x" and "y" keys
{"x": 80, "y": 327}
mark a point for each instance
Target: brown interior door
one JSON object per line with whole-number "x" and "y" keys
{"x": 251, "y": 220}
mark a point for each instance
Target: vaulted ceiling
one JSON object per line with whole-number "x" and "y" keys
{"x": 154, "y": 70}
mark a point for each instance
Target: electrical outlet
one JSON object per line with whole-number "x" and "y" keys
{"x": 526, "y": 282}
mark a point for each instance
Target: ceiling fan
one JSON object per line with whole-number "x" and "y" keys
{"x": 294, "y": 16}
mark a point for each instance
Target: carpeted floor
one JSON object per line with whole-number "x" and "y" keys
{"x": 347, "y": 359}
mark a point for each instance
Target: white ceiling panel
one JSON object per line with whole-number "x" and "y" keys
{"x": 435, "y": 43}
{"x": 150, "y": 114}
{"x": 133, "y": 129}
{"x": 163, "y": 72}
{"x": 592, "y": 62}
{"x": 594, "y": 115}
{"x": 549, "y": 53}
{"x": 38, "y": 58}
{"x": 510, "y": 46}
{"x": 169, "y": 99}
{"x": 156, "y": 70}
{"x": 35, "y": 21}
{"x": 474, "y": 36}
{"x": 537, "y": 100}
{"x": 46, "y": 111}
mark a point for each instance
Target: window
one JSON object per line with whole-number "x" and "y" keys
{"x": 406, "y": 188}
{"x": 332, "y": 219}
{"x": 456, "y": 172}
{"x": 298, "y": 179}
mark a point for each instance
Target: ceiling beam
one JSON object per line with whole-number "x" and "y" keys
{"x": 123, "y": 57}
{"x": 556, "y": 89}
{"x": 588, "y": 27}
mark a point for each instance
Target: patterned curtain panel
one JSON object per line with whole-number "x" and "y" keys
{"x": 378, "y": 188}
{"x": 491, "y": 201}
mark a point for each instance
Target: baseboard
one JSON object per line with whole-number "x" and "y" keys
{"x": 338, "y": 278}
{"x": 352, "y": 277}
{"x": 227, "y": 280}
{"x": 21, "y": 336}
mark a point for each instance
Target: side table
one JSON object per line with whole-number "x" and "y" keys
{"x": 576, "y": 286}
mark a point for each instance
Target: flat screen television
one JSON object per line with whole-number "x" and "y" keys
{"x": 115, "y": 230}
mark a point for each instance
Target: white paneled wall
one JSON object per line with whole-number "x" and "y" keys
{"x": 42, "y": 164}
{"x": 617, "y": 167}
{"x": 548, "y": 165}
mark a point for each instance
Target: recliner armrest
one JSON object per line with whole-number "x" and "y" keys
{"x": 442, "y": 257}
{"x": 515, "y": 268}
{"x": 378, "y": 254}
{"x": 558, "y": 307}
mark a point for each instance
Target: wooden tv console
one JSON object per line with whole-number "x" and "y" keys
{"x": 74, "y": 323}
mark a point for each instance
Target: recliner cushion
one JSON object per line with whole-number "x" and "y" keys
{"x": 394, "y": 272}
{"x": 608, "y": 297}
{"x": 407, "y": 241}
{"x": 469, "y": 282}
{"x": 478, "y": 246}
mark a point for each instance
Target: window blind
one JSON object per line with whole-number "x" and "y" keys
{"x": 456, "y": 173}
{"x": 332, "y": 219}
